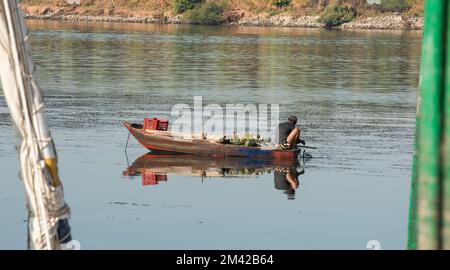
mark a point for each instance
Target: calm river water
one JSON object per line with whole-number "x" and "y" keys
{"x": 354, "y": 92}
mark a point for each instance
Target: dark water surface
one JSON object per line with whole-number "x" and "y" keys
{"x": 354, "y": 92}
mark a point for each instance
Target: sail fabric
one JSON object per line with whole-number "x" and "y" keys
{"x": 48, "y": 225}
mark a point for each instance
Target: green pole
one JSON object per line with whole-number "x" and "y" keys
{"x": 412, "y": 227}
{"x": 446, "y": 143}
{"x": 428, "y": 148}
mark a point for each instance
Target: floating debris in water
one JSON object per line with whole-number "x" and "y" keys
{"x": 132, "y": 204}
{"x": 119, "y": 203}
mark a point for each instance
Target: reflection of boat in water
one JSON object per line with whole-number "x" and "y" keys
{"x": 172, "y": 143}
{"x": 154, "y": 168}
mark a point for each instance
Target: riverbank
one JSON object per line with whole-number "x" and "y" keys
{"x": 391, "y": 22}
{"x": 236, "y": 18}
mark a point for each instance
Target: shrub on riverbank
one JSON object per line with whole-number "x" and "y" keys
{"x": 210, "y": 12}
{"x": 394, "y": 5}
{"x": 181, "y": 6}
{"x": 335, "y": 15}
{"x": 281, "y": 3}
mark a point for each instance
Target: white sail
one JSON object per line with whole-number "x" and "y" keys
{"x": 48, "y": 225}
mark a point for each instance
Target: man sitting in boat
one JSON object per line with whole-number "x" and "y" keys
{"x": 288, "y": 134}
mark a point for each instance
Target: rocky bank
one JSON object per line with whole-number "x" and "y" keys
{"x": 390, "y": 22}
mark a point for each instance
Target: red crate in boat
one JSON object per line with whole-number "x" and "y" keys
{"x": 155, "y": 124}
{"x": 151, "y": 178}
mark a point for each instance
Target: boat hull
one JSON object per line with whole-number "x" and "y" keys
{"x": 199, "y": 147}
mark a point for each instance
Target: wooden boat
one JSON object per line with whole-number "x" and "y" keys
{"x": 164, "y": 141}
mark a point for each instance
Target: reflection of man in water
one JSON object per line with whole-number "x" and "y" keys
{"x": 287, "y": 179}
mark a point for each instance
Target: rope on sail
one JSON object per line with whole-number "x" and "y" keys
{"x": 48, "y": 227}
